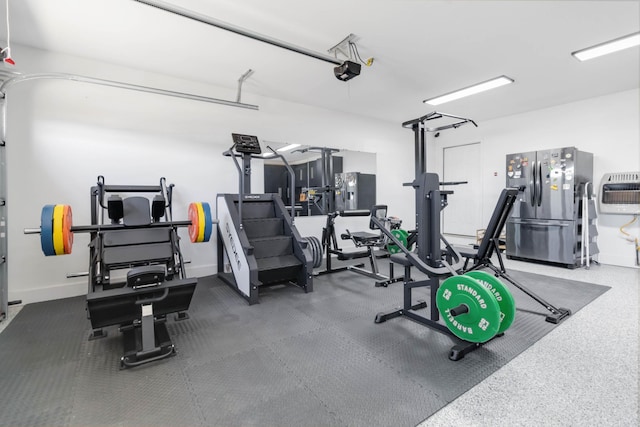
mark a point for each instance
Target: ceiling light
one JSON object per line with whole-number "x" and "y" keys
{"x": 288, "y": 147}
{"x": 607, "y": 47}
{"x": 267, "y": 154}
{"x": 471, "y": 90}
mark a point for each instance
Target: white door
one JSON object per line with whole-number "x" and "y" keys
{"x": 463, "y": 215}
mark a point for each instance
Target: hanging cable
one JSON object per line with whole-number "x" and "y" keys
{"x": 354, "y": 53}
{"x": 631, "y": 238}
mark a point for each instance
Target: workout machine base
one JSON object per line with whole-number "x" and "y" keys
{"x": 336, "y": 269}
{"x": 557, "y": 318}
{"x": 457, "y": 352}
{"x": 132, "y": 336}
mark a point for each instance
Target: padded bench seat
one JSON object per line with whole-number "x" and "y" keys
{"x": 136, "y": 236}
{"x": 128, "y": 255}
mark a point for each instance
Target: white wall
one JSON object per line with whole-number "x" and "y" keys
{"x": 62, "y": 134}
{"x": 608, "y": 127}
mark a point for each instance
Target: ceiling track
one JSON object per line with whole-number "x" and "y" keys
{"x": 111, "y": 83}
{"x": 186, "y": 13}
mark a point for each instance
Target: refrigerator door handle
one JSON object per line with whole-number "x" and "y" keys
{"x": 539, "y": 224}
{"x": 533, "y": 186}
{"x": 539, "y": 183}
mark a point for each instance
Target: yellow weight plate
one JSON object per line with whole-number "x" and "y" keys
{"x": 58, "y": 233}
{"x": 201, "y": 223}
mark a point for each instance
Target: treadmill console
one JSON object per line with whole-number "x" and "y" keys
{"x": 246, "y": 143}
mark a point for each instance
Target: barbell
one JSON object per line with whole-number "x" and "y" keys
{"x": 475, "y": 306}
{"x": 56, "y": 227}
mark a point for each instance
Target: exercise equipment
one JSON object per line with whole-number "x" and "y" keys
{"x": 469, "y": 310}
{"x": 141, "y": 238}
{"x": 403, "y": 238}
{"x": 441, "y": 264}
{"x": 316, "y": 250}
{"x": 56, "y": 227}
{"x": 481, "y": 256}
{"x": 258, "y": 242}
{"x": 429, "y": 258}
{"x": 373, "y": 242}
{"x": 366, "y": 245}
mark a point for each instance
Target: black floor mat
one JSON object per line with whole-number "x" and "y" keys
{"x": 295, "y": 359}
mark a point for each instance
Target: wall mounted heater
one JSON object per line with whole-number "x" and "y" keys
{"x": 620, "y": 193}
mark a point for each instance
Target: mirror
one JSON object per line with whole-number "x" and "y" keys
{"x": 326, "y": 179}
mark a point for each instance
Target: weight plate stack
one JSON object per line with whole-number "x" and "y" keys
{"x": 316, "y": 250}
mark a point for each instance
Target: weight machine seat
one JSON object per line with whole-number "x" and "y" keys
{"x": 346, "y": 256}
{"x": 365, "y": 238}
{"x": 400, "y": 258}
{"x": 123, "y": 256}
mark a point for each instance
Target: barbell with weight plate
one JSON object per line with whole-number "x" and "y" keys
{"x": 56, "y": 227}
{"x": 475, "y": 306}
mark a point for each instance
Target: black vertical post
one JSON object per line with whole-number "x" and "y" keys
{"x": 246, "y": 170}
{"x": 418, "y": 130}
{"x": 419, "y": 136}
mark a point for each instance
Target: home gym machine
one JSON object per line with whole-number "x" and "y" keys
{"x": 366, "y": 244}
{"x": 474, "y": 308}
{"x": 258, "y": 243}
{"x": 141, "y": 238}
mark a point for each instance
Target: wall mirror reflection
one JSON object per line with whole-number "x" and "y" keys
{"x": 326, "y": 179}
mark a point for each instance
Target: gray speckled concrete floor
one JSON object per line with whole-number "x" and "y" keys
{"x": 583, "y": 373}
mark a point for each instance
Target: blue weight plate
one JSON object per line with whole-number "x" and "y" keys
{"x": 46, "y": 230}
{"x": 208, "y": 226}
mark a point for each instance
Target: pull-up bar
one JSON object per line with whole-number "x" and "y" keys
{"x": 419, "y": 129}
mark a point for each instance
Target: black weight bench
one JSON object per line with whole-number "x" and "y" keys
{"x": 481, "y": 254}
{"x": 490, "y": 245}
{"x": 371, "y": 241}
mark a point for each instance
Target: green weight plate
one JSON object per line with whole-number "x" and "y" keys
{"x": 502, "y": 295}
{"x": 401, "y": 235}
{"x": 481, "y": 322}
{"x": 46, "y": 230}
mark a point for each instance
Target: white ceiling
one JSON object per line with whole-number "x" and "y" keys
{"x": 421, "y": 48}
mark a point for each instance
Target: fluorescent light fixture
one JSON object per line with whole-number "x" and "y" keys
{"x": 267, "y": 154}
{"x": 471, "y": 90}
{"x": 288, "y": 147}
{"x": 608, "y": 47}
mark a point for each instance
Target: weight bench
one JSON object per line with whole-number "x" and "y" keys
{"x": 490, "y": 245}
{"x": 140, "y": 304}
{"x": 371, "y": 241}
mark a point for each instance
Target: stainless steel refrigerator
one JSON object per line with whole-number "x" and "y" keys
{"x": 355, "y": 190}
{"x": 545, "y": 224}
